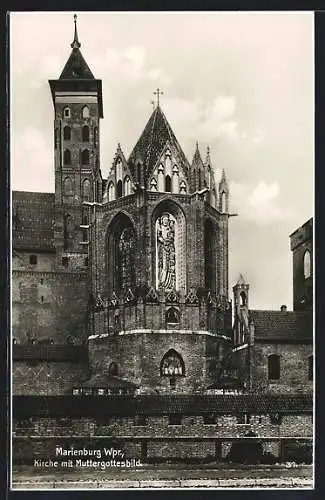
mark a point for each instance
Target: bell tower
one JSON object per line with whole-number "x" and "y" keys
{"x": 240, "y": 291}
{"x": 78, "y": 107}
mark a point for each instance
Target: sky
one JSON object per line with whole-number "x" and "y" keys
{"x": 241, "y": 83}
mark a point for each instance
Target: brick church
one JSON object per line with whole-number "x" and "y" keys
{"x": 120, "y": 287}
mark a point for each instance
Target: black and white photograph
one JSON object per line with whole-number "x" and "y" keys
{"x": 162, "y": 285}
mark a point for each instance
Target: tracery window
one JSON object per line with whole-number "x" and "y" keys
{"x": 125, "y": 258}
{"x": 172, "y": 315}
{"x": 172, "y": 364}
{"x": 119, "y": 189}
{"x": 210, "y": 255}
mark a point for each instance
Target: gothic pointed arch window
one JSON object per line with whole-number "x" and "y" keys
{"x": 85, "y": 133}
{"x": 119, "y": 189}
{"x": 127, "y": 186}
{"x": 243, "y": 299}
{"x": 67, "y": 187}
{"x": 121, "y": 252}
{"x": 168, "y": 184}
{"x": 172, "y": 315}
{"x": 172, "y": 365}
{"x": 86, "y": 190}
{"x": 85, "y": 112}
{"x": 210, "y": 255}
{"x": 67, "y": 133}
{"x": 125, "y": 258}
{"x": 67, "y": 157}
{"x": 85, "y": 157}
{"x": 111, "y": 191}
{"x": 307, "y": 264}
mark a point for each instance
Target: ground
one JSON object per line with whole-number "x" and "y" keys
{"x": 168, "y": 476}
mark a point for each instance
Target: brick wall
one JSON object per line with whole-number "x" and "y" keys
{"x": 293, "y": 368}
{"x": 139, "y": 355}
{"x": 49, "y": 305}
{"x": 43, "y": 378}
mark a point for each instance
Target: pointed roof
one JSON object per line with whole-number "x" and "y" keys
{"x": 76, "y": 66}
{"x": 197, "y": 160}
{"x": 241, "y": 280}
{"x": 152, "y": 141}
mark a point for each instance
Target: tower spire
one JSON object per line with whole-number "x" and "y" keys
{"x": 75, "y": 44}
{"x": 208, "y": 159}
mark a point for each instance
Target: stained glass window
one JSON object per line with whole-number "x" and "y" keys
{"x": 126, "y": 249}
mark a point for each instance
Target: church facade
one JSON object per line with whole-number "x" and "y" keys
{"x": 120, "y": 288}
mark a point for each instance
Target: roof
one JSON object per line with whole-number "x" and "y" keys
{"x": 33, "y": 220}
{"x": 293, "y": 325}
{"x": 152, "y": 141}
{"x": 107, "y": 381}
{"x": 76, "y": 67}
{"x": 160, "y": 405}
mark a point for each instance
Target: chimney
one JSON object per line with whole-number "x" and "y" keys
{"x": 283, "y": 308}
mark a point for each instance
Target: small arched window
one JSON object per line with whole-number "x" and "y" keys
{"x": 111, "y": 191}
{"x": 67, "y": 133}
{"x": 66, "y": 113}
{"x": 85, "y": 157}
{"x": 67, "y": 187}
{"x": 274, "y": 367}
{"x": 310, "y": 367}
{"x": 55, "y": 138}
{"x": 119, "y": 189}
{"x": 85, "y": 112}
{"x": 85, "y": 134}
{"x": 172, "y": 315}
{"x": 168, "y": 184}
{"x": 243, "y": 299}
{"x": 127, "y": 186}
{"x": 67, "y": 157}
{"x": 307, "y": 264}
{"x": 172, "y": 364}
{"x": 223, "y": 202}
{"x": 86, "y": 190}
{"x": 113, "y": 369}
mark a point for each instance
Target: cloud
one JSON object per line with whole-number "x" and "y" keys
{"x": 32, "y": 161}
{"x": 259, "y": 203}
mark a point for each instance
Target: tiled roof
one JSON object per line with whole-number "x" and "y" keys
{"x": 33, "y": 219}
{"x": 76, "y": 67}
{"x": 159, "y": 405}
{"x": 294, "y": 325}
{"x": 152, "y": 141}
